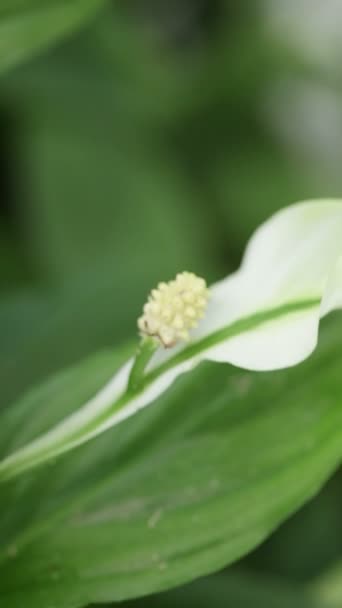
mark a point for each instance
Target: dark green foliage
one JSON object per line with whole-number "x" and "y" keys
{"x": 138, "y": 139}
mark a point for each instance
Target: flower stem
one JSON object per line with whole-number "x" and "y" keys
{"x": 146, "y": 349}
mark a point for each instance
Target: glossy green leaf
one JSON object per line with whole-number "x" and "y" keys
{"x": 185, "y": 487}
{"x": 28, "y": 27}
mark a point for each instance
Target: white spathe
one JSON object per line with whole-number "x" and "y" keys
{"x": 293, "y": 257}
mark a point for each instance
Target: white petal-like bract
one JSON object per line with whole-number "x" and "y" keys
{"x": 294, "y": 257}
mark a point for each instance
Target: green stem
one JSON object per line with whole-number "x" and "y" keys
{"x": 146, "y": 349}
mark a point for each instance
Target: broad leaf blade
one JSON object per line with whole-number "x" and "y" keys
{"x": 183, "y": 488}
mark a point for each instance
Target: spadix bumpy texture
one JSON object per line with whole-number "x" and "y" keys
{"x": 263, "y": 317}
{"x": 174, "y": 308}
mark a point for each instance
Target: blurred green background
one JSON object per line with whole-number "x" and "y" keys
{"x": 154, "y": 139}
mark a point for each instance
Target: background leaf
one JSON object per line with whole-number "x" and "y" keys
{"x": 28, "y": 27}
{"x": 328, "y": 587}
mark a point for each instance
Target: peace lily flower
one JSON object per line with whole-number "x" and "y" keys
{"x": 174, "y": 308}
{"x": 263, "y": 317}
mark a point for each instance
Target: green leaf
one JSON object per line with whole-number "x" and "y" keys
{"x": 183, "y": 488}
{"x": 28, "y": 27}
